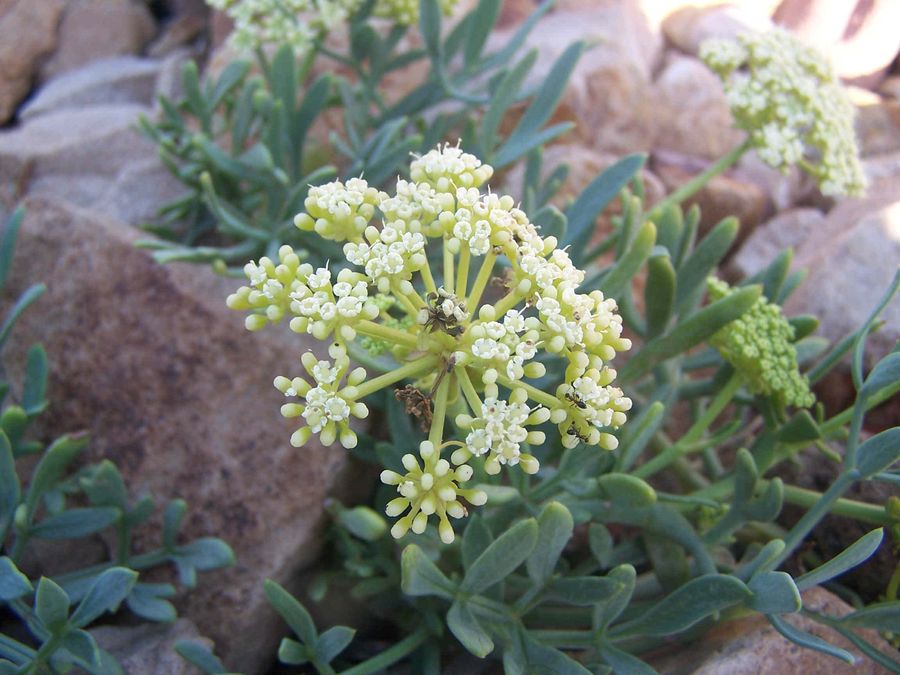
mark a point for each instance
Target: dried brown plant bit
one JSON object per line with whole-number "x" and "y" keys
{"x": 417, "y": 404}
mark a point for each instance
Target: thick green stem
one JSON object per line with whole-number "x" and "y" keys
{"x": 462, "y": 273}
{"x": 698, "y": 182}
{"x": 411, "y": 369}
{"x": 436, "y": 433}
{"x": 468, "y": 390}
{"x": 427, "y": 277}
{"x": 683, "y": 446}
{"x": 389, "y": 657}
{"x": 398, "y": 337}
{"x": 448, "y": 269}
{"x": 534, "y": 393}
{"x": 484, "y": 275}
{"x": 867, "y": 513}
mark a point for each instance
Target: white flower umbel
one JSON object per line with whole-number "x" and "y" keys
{"x": 787, "y": 97}
{"x": 466, "y": 337}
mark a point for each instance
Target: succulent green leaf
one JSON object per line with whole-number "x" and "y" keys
{"x": 808, "y": 640}
{"x": 104, "y": 486}
{"x": 502, "y": 98}
{"x": 801, "y": 428}
{"x": 13, "y": 584}
{"x": 583, "y": 591}
{"x": 105, "y": 595}
{"x": 600, "y": 542}
{"x": 465, "y": 627}
{"x": 76, "y": 523}
{"x": 692, "y": 602}
{"x": 774, "y": 276}
{"x": 148, "y": 601}
{"x": 555, "y": 526}
{"x": 583, "y": 213}
{"x": 206, "y": 553}
{"x": 607, "y": 612}
{"x": 774, "y": 593}
{"x": 484, "y": 17}
{"x": 51, "y": 605}
{"x": 201, "y": 657}
{"x": 886, "y": 373}
{"x": 627, "y": 492}
{"x": 51, "y": 468}
{"x": 855, "y": 554}
{"x": 543, "y": 659}
{"x": 878, "y": 453}
{"x": 8, "y": 243}
{"x": 28, "y": 297}
{"x": 502, "y": 557}
{"x": 691, "y": 332}
{"x": 363, "y": 522}
{"x": 619, "y": 277}
{"x": 659, "y": 293}
{"x": 332, "y": 642}
{"x": 638, "y": 433}
{"x": 702, "y": 261}
{"x": 476, "y": 538}
{"x": 623, "y": 662}
{"x": 294, "y": 613}
{"x": 420, "y": 576}
{"x": 430, "y": 27}
{"x": 518, "y": 146}
{"x": 292, "y": 652}
{"x": 82, "y": 646}
{"x": 882, "y": 616}
{"x": 10, "y": 490}
{"x": 35, "y": 388}
{"x": 232, "y": 75}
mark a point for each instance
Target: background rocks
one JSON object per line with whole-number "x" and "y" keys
{"x": 148, "y": 359}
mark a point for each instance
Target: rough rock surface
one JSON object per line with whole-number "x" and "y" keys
{"x": 788, "y": 229}
{"x": 689, "y": 26}
{"x": 27, "y": 34}
{"x": 138, "y": 192}
{"x": 149, "y": 649}
{"x": 751, "y": 646}
{"x": 95, "y": 29}
{"x": 123, "y": 79}
{"x": 71, "y": 153}
{"x": 171, "y": 387}
{"x": 689, "y": 109}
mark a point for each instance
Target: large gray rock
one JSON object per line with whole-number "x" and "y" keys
{"x": 149, "y": 649}
{"x": 27, "y": 34}
{"x": 788, "y": 229}
{"x": 72, "y": 153}
{"x": 96, "y": 29}
{"x": 122, "y": 79}
{"x": 148, "y": 359}
{"x": 138, "y": 192}
{"x": 690, "y": 25}
{"x": 751, "y": 645}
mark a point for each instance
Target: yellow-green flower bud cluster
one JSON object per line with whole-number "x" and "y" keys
{"x": 406, "y": 12}
{"x": 452, "y": 332}
{"x": 298, "y": 23}
{"x": 328, "y": 406}
{"x": 432, "y": 488}
{"x": 788, "y": 98}
{"x": 318, "y": 306}
{"x": 760, "y": 346}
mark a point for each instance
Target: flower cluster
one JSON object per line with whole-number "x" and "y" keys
{"x": 760, "y": 346}
{"x": 299, "y": 23}
{"x": 468, "y": 339}
{"x": 788, "y": 98}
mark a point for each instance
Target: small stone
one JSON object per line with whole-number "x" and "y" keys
{"x": 688, "y": 27}
{"x": 877, "y": 122}
{"x": 182, "y": 32}
{"x": 751, "y": 645}
{"x": 122, "y": 79}
{"x": 149, "y": 649}
{"x": 27, "y": 35}
{"x": 171, "y": 387}
{"x": 95, "y": 29}
{"x": 689, "y": 110}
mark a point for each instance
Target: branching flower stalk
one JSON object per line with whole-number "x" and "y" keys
{"x": 468, "y": 347}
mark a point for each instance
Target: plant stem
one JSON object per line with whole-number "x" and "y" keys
{"x": 398, "y": 337}
{"x": 682, "y": 447}
{"x": 411, "y": 369}
{"x": 388, "y": 657}
{"x": 462, "y": 273}
{"x": 427, "y": 277}
{"x": 536, "y": 394}
{"x": 697, "y": 183}
{"x": 448, "y": 270}
{"x": 468, "y": 390}
{"x": 436, "y": 433}
{"x": 484, "y": 274}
